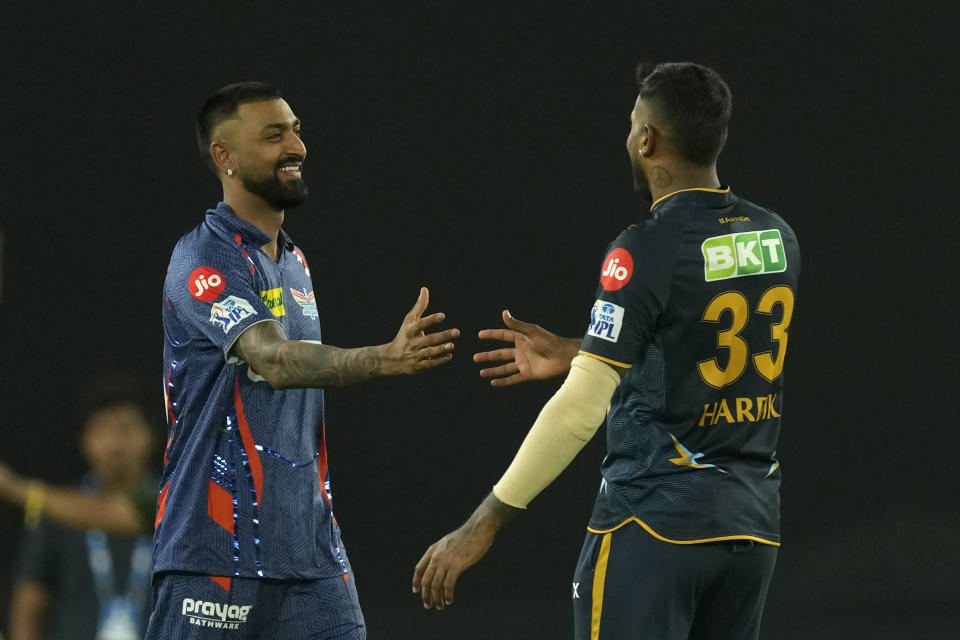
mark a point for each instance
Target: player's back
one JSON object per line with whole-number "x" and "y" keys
{"x": 701, "y": 316}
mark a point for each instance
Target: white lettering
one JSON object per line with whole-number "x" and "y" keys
{"x": 720, "y": 257}
{"x": 745, "y": 253}
{"x": 771, "y": 244}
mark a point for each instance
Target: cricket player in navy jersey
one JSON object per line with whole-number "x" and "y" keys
{"x": 686, "y": 347}
{"x": 246, "y": 543}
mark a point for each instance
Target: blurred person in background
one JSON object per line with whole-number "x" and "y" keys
{"x": 83, "y": 569}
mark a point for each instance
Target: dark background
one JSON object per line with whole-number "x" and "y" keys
{"x": 479, "y": 149}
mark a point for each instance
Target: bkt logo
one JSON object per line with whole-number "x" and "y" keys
{"x": 606, "y": 319}
{"x": 743, "y": 254}
{"x": 617, "y": 269}
{"x": 230, "y": 311}
{"x": 215, "y": 614}
{"x": 206, "y": 284}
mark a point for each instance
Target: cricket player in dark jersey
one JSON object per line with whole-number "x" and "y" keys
{"x": 686, "y": 346}
{"x": 246, "y": 543}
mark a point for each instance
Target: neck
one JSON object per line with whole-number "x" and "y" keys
{"x": 257, "y": 212}
{"x": 119, "y": 483}
{"x": 667, "y": 177}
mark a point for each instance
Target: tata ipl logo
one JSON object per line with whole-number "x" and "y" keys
{"x": 743, "y": 254}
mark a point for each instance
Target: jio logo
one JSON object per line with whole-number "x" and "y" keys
{"x": 206, "y": 284}
{"x": 617, "y": 269}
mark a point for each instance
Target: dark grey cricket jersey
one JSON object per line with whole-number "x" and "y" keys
{"x": 697, "y": 302}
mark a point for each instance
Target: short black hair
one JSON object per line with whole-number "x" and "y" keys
{"x": 222, "y": 105}
{"x": 109, "y": 392}
{"x": 694, "y": 103}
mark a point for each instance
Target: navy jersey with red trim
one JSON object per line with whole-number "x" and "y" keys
{"x": 245, "y": 489}
{"x": 697, "y": 302}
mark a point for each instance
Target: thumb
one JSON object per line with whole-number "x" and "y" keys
{"x": 513, "y": 323}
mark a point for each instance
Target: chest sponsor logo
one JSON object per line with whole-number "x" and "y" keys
{"x": 617, "y": 269}
{"x": 229, "y": 312}
{"x": 206, "y": 284}
{"x": 606, "y": 319}
{"x": 214, "y": 615}
{"x": 743, "y": 254}
{"x": 307, "y": 302}
{"x": 273, "y": 298}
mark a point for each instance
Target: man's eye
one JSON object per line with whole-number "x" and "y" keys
{"x": 275, "y": 136}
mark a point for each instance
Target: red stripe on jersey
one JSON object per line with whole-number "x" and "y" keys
{"x": 220, "y": 506}
{"x": 253, "y": 457}
{"x": 246, "y": 255}
{"x": 161, "y": 505}
{"x": 322, "y": 463}
{"x": 223, "y": 581}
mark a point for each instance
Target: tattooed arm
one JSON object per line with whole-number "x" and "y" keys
{"x": 289, "y": 364}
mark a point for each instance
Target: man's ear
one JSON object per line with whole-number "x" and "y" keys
{"x": 648, "y": 140}
{"x": 222, "y": 156}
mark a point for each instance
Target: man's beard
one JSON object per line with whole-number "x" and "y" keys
{"x": 640, "y": 184}
{"x": 279, "y": 195}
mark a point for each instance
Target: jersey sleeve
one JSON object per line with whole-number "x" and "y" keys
{"x": 631, "y": 295}
{"x": 214, "y": 292}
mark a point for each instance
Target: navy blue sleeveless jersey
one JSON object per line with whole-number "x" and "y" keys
{"x": 245, "y": 490}
{"x": 697, "y": 303}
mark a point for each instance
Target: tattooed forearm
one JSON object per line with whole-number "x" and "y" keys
{"x": 293, "y": 364}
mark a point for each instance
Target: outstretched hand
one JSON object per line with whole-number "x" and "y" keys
{"x": 414, "y": 350}
{"x": 536, "y": 354}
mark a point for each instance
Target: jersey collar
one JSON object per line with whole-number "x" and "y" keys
{"x": 700, "y": 195}
{"x": 234, "y": 224}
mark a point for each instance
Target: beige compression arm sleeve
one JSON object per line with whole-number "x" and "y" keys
{"x": 565, "y": 424}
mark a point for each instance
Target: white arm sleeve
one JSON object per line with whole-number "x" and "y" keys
{"x": 565, "y": 424}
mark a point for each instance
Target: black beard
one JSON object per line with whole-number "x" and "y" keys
{"x": 279, "y": 195}
{"x": 640, "y": 185}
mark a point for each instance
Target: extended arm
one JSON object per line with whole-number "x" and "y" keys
{"x": 564, "y": 426}
{"x": 114, "y": 513}
{"x": 288, "y": 363}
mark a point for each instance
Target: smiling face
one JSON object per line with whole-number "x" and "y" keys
{"x": 263, "y": 142}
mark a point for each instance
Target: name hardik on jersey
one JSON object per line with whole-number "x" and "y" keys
{"x": 697, "y": 303}
{"x": 245, "y": 489}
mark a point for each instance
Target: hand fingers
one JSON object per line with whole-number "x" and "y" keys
{"x": 436, "y": 587}
{"x": 421, "y": 567}
{"x": 508, "y": 381}
{"x": 448, "y": 584}
{"x": 434, "y": 362}
{"x": 433, "y": 339}
{"x": 497, "y": 355}
{"x": 504, "y": 335}
{"x": 429, "y": 353}
{"x": 518, "y": 325}
{"x": 426, "y": 585}
{"x": 501, "y": 371}
{"x": 419, "y": 306}
{"x": 425, "y": 323}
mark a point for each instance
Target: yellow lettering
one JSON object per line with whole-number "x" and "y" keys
{"x": 762, "y": 408}
{"x": 723, "y": 411}
{"x": 707, "y": 414}
{"x": 773, "y": 411}
{"x": 744, "y": 407}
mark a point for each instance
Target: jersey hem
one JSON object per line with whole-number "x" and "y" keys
{"x": 672, "y": 541}
{"x": 607, "y": 360}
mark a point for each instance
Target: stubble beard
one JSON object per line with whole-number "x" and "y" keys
{"x": 640, "y": 184}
